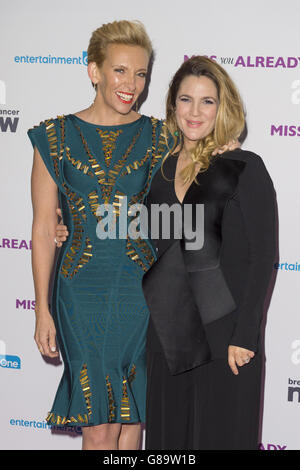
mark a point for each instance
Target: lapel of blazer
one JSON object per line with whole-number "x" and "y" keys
{"x": 174, "y": 312}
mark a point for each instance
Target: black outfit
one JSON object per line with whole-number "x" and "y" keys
{"x": 201, "y": 301}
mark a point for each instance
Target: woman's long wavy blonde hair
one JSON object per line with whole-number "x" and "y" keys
{"x": 230, "y": 119}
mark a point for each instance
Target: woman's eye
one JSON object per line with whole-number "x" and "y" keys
{"x": 184, "y": 99}
{"x": 142, "y": 74}
{"x": 209, "y": 102}
{"x": 119, "y": 70}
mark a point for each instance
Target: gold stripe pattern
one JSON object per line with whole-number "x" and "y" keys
{"x": 107, "y": 181}
{"x": 109, "y": 139}
{"x": 125, "y": 405}
{"x": 79, "y": 165}
{"x": 85, "y": 385}
{"x": 132, "y": 374}
{"x": 77, "y": 210}
{"x": 125, "y": 402}
{"x": 85, "y": 257}
{"x": 78, "y": 201}
{"x": 80, "y": 418}
{"x": 115, "y": 171}
{"x": 134, "y": 256}
{"x": 136, "y": 165}
{"x": 96, "y": 168}
{"x": 53, "y": 141}
{"x": 61, "y": 420}
{"x": 76, "y": 242}
{"x": 84, "y": 418}
{"x": 93, "y": 200}
{"x": 117, "y": 203}
{"x": 62, "y": 120}
{"x": 141, "y": 244}
{"x": 111, "y": 402}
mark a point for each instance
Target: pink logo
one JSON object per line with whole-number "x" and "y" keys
{"x": 255, "y": 61}
{"x": 283, "y": 130}
{"x": 15, "y": 243}
{"x": 272, "y": 447}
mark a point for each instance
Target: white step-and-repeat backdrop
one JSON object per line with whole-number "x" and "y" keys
{"x": 43, "y": 74}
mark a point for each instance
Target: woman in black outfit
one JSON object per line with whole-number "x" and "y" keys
{"x": 204, "y": 351}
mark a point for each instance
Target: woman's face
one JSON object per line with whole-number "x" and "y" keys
{"x": 121, "y": 78}
{"x": 196, "y": 108}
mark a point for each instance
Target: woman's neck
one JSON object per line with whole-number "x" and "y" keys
{"x": 100, "y": 113}
{"x": 185, "y": 152}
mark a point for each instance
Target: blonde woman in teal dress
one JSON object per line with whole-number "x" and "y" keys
{"x": 103, "y": 154}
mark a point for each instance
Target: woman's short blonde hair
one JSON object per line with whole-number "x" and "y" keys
{"x": 131, "y": 33}
{"x": 230, "y": 120}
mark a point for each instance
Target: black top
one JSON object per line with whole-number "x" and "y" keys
{"x": 227, "y": 276}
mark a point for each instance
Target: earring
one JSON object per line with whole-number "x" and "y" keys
{"x": 137, "y": 105}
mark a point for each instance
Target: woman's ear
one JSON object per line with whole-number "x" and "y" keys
{"x": 93, "y": 72}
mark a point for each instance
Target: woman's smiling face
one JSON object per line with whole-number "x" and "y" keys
{"x": 121, "y": 78}
{"x": 196, "y": 108}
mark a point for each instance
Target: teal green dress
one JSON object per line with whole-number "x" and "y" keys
{"x": 97, "y": 303}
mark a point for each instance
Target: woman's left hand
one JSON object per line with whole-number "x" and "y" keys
{"x": 232, "y": 145}
{"x": 238, "y": 357}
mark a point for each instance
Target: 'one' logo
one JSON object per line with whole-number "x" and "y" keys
{"x": 10, "y": 362}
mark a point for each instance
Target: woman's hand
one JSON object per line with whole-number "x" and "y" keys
{"x": 238, "y": 357}
{"x": 45, "y": 334}
{"x": 61, "y": 231}
{"x": 232, "y": 145}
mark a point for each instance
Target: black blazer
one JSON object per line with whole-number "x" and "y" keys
{"x": 188, "y": 291}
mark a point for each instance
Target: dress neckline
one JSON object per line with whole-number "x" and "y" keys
{"x": 118, "y": 126}
{"x": 174, "y": 159}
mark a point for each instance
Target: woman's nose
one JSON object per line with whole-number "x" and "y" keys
{"x": 131, "y": 82}
{"x": 196, "y": 109}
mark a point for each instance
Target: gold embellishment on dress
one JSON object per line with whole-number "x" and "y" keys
{"x": 78, "y": 164}
{"x": 157, "y": 152}
{"x": 75, "y": 200}
{"x": 57, "y": 420}
{"x": 145, "y": 250}
{"x": 61, "y": 120}
{"x": 115, "y": 171}
{"x": 96, "y": 168}
{"x": 107, "y": 181}
{"x": 136, "y": 165}
{"x": 53, "y": 141}
{"x": 80, "y": 418}
{"x": 85, "y": 385}
{"x": 132, "y": 373}
{"x": 117, "y": 203}
{"x": 76, "y": 243}
{"x": 53, "y": 146}
{"x": 111, "y": 402}
{"x": 85, "y": 257}
{"x": 125, "y": 405}
{"x": 93, "y": 200}
{"x": 109, "y": 139}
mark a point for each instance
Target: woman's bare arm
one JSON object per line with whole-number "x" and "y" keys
{"x": 44, "y": 202}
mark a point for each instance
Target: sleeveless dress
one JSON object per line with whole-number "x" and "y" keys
{"x": 97, "y": 303}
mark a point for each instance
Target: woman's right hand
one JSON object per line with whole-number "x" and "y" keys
{"x": 61, "y": 232}
{"x": 45, "y": 334}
